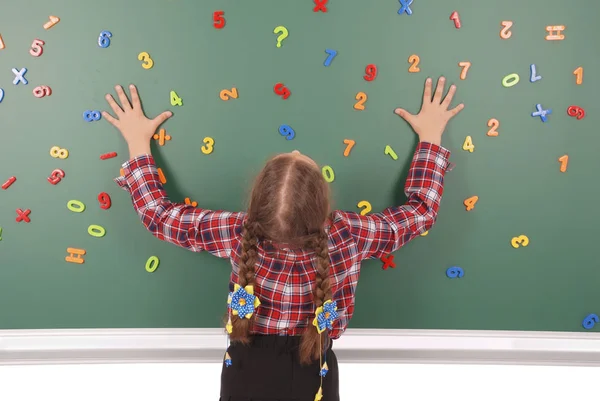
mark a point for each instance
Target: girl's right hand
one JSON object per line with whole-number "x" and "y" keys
{"x": 431, "y": 121}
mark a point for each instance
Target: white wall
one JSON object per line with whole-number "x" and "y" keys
{"x": 359, "y": 382}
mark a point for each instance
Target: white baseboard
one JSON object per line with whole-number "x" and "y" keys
{"x": 356, "y": 345}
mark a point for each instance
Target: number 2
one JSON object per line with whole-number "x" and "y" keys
{"x": 148, "y": 62}
{"x": 36, "y": 48}
{"x": 579, "y": 74}
{"x": 468, "y": 144}
{"x": 465, "y": 65}
{"x": 494, "y": 124}
{"x": 415, "y": 60}
{"x": 175, "y": 100}
{"x": 362, "y": 98}
{"x": 505, "y": 32}
{"x": 228, "y": 94}
{"x": 350, "y": 143}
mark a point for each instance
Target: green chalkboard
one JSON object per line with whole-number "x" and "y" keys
{"x": 551, "y": 284}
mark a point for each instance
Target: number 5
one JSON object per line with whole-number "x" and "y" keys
{"x": 218, "y": 20}
{"x": 36, "y": 48}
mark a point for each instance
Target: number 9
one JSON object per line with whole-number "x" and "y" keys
{"x": 104, "y": 200}
{"x": 287, "y": 131}
{"x": 103, "y": 39}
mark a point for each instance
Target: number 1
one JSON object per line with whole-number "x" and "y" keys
{"x": 389, "y": 151}
{"x": 564, "y": 163}
{"x": 579, "y": 73}
{"x": 53, "y": 21}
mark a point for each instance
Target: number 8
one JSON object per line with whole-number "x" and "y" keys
{"x": 103, "y": 39}
{"x": 91, "y": 115}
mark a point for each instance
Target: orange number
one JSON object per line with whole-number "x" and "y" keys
{"x": 415, "y": 60}
{"x": 465, "y": 65}
{"x": 350, "y": 143}
{"x": 564, "y": 162}
{"x": 227, "y": 94}
{"x": 362, "y": 98}
{"x": 470, "y": 202}
{"x": 505, "y": 33}
{"x": 579, "y": 73}
{"x": 494, "y": 124}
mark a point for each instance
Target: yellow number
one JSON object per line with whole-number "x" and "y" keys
{"x": 148, "y": 62}
{"x": 208, "y": 149}
{"x": 468, "y": 145}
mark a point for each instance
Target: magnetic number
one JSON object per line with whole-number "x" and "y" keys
{"x": 175, "y": 100}
{"x": 370, "y": 72}
{"x": 56, "y": 176}
{"x": 350, "y": 144}
{"x": 91, "y": 115}
{"x": 104, "y": 200}
{"x": 494, "y": 124}
{"x": 53, "y": 21}
{"x": 470, "y": 202}
{"x": 389, "y": 151}
{"x": 36, "y": 48}
{"x": 510, "y": 80}
{"x": 579, "y": 75}
{"x": 465, "y": 65}
{"x": 1, "y": 94}
{"x": 328, "y": 173}
{"x": 96, "y": 231}
{"x": 415, "y": 60}
{"x": 366, "y": 205}
{"x": 104, "y": 39}
{"x": 331, "y": 55}
{"x": 148, "y": 62}
{"x": 42, "y": 91}
{"x": 505, "y": 32}
{"x": 152, "y": 264}
{"x": 564, "y": 163}
{"x": 287, "y": 131}
{"x": 59, "y": 153}
{"x": 468, "y": 145}
{"x": 75, "y": 206}
{"x": 362, "y": 98}
{"x": 161, "y": 176}
{"x": 218, "y": 20}
{"x": 522, "y": 240}
{"x": 208, "y": 148}
{"x": 227, "y": 94}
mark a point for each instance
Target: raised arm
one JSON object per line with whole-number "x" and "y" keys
{"x": 196, "y": 229}
{"x": 378, "y": 234}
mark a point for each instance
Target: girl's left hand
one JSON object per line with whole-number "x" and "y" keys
{"x": 136, "y": 128}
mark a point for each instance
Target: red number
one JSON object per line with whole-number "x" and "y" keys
{"x": 371, "y": 72}
{"x": 104, "y": 200}
{"x": 218, "y": 20}
{"x": 36, "y": 48}
{"x": 282, "y": 90}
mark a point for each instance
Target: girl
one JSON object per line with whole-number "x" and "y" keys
{"x": 295, "y": 264}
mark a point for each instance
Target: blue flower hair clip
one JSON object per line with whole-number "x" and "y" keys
{"x": 325, "y": 315}
{"x": 242, "y": 301}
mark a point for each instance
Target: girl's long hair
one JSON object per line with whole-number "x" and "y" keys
{"x": 289, "y": 204}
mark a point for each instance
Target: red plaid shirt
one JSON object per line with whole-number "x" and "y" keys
{"x": 285, "y": 277}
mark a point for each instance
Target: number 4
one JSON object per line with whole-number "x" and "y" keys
{"x": 468, "y": 145}
{"x": 470, "y": 202}
{"x": 175, "y": 100}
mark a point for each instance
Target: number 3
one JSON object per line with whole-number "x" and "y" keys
{"x": 36, "y": 48}
{"x": 148, "y": 62}
{"x": 208, "y": 149}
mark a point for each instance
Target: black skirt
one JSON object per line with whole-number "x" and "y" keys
{"x": 269, "y": 369}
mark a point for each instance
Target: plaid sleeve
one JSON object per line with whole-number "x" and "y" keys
{"x": 379, "y": 234}
{"x": 193, "y": 228}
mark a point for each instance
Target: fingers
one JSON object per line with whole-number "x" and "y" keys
{"x": 405, "y": 115}
{"x": 439, "y": 91}
{"x": 123, "y": 98}
{"x": 135, "y": 97}
{"x": 161, "y": 118}
{"x": 427, "y": 92}
{"x": 456, "y": 110}
{"x": 449, "y": 96}
{"x": 113, "y": 105}
{"x": 110, "y": 118}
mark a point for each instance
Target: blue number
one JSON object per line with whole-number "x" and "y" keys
{"x": 590, "y": 321}
{"x": 1, "y": 94}
{"x": 103, "y": 39}
{"x": 332, "y": 54}
{"x": 91, "y": 115}
{"x": 287, "y": 131}
{"x": 454, "y": 272}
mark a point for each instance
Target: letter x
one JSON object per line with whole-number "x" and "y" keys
{"x": 388, "y": 261}
{"x": 320, "y": 6}
{"x": 405, "y": 7}
{"x": 20, "y": 76}
{"x": 23, "y": 215}
{"x": 541, "y": 113}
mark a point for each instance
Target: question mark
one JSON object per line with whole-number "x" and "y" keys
{"x": 366, "y": 205}
{"x": 284, "y": 34}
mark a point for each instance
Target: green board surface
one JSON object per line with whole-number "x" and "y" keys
{"x": 551, "y": 284}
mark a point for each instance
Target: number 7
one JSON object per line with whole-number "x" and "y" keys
{"x": 350, "y": 143}
{"x": 332, "y": 54}
{"x": 465, "y": 68}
